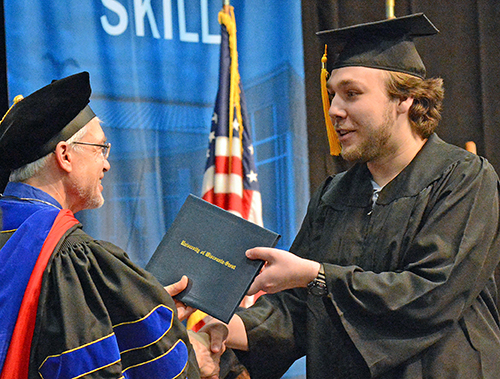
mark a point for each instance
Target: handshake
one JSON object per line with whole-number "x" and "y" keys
{"x": 209, "y": 342}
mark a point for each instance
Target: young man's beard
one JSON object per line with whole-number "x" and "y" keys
{"x": 374, "y": 144}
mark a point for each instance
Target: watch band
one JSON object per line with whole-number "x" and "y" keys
{"x": 317, "y": 286}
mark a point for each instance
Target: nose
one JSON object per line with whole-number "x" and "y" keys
{"x": 337, "y": 109}
{"x": 106, "y": 166}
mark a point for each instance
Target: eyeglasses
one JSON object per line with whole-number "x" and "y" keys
{"x": 106, "y": 147}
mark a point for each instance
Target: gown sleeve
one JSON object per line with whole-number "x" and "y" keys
{"x": 276, "y": 325}
{"x": 101, "y": 316}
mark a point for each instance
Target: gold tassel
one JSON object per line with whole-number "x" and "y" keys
{"x": 330, "y": 129}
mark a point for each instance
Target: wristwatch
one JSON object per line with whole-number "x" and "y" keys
{"x": 317, "y": 287}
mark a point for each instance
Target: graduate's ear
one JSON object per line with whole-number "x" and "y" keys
{"x": 64, "y": 156}
{"x": 404, "y": 105}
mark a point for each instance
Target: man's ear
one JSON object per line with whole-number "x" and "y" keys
{"x": 404, "y": 105}
{"x": 64, "y": 156}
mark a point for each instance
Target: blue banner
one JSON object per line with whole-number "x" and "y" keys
{"x": 154, "y": 68}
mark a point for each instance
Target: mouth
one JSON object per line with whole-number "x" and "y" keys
{"x": 343, "y": 132}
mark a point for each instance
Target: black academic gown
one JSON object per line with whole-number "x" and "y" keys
{"x": 99, "y": 315}
{"x": 411, "y": 293}
{"x": 91, "y": 294}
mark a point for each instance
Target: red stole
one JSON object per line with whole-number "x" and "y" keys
{"x": 18, "y": 356}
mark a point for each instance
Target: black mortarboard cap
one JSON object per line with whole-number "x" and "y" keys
{"x": 34, "y": 125}
{"x": 386, "y": 44}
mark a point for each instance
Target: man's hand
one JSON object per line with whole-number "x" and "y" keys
{"x": 209, "y": 346}
{"x": 220, "y": 338}
{"x": 217, "y": 331}
{"x": 183, "y": 311}
{"x": 283, "y": 270}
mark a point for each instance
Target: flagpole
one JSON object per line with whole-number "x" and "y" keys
{"x": 389, "y": 8}
{"x": 225, "y": 5}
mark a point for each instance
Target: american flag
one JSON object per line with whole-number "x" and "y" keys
{"x": 230, "y": 179}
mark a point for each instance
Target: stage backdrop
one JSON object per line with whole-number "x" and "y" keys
{"x": 154, "y": 74}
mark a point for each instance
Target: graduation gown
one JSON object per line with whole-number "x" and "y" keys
{"x": 410, "y": 278}
{"x": 98, "y": 315}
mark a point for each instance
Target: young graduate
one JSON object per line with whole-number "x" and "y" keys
{"x": 391, "y": 273}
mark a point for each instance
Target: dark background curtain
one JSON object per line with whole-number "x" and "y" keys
{"x": 466, "y": 54}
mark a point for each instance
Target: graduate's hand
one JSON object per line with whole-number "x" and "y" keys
{"x": 209, "y": 346}
{"x": 282, "y": 270}
{"x": 218, "y": 332}
{"x": 233, "y": 335}
{"x": 183, "y": 311}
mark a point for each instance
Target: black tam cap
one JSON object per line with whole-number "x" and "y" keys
{"x": 34, "y": 125}
{"x": 386, "y": 44}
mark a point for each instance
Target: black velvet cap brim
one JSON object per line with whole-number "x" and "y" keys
{"x": 386, "y": 44}
{"x": 34, "y": 126}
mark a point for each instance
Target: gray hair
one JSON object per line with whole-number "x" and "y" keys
{"x": 31, "y": 169}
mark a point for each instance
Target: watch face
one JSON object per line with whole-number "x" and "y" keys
{"x": 317, "y": 288}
